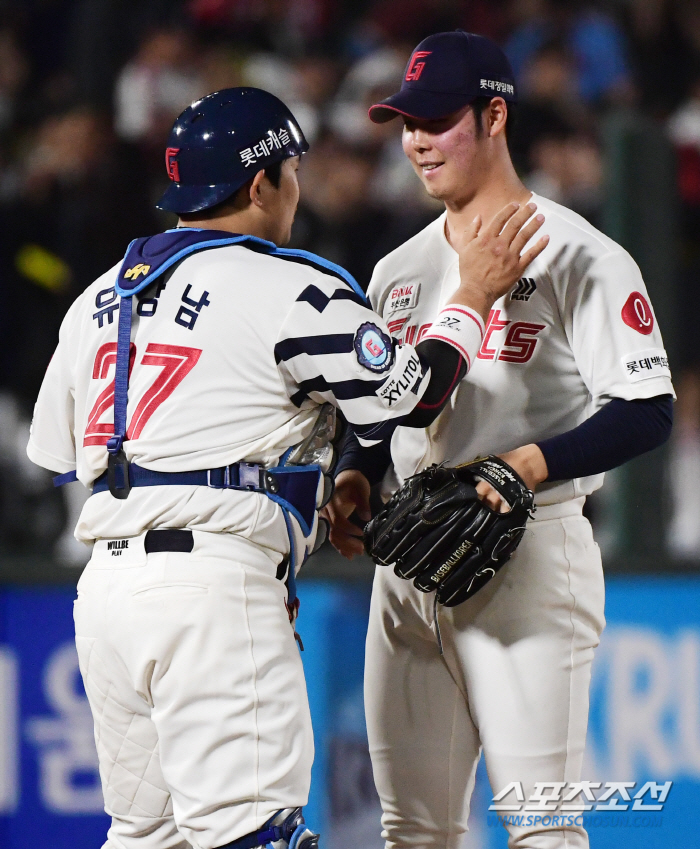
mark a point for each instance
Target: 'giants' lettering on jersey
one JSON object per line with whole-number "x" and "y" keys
{"x": 413, "y": 333}
{"x": 395, "y": 325}
{"x": 517, "y": 345}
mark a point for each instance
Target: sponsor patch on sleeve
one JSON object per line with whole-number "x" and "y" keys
{"x": 403, "y": 297}
{"x": 373, "y": 348}
{"x": 643, "y": 365}
{"x": 404, "y": 379}
{"x": 637, "y": 314}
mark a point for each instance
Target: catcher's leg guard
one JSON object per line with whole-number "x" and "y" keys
{"x": 286, "y": 830}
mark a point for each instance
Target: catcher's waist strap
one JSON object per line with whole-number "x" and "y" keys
{"x": 292, "y": 487}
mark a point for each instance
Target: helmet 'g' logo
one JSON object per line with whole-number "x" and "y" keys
{"x": 171, "y": 165}
{"x": 415, "y": 68}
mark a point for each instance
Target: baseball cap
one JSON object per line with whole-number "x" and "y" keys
{"x": 446, "y": 72}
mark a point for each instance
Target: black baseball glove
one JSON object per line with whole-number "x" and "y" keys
{"x": 437, "y": 532}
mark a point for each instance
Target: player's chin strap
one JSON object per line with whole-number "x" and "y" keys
{"x": 285, "y": 830}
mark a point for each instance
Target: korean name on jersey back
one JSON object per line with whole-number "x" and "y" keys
{"x": 107, "y": 304}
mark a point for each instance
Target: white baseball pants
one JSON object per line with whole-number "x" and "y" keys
{"x": 197, "y": 690}
{"x": 513, "y": 682}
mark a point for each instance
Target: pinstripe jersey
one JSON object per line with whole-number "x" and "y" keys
{"x": 232, "y": 353}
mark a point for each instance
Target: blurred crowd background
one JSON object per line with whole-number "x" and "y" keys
{"x": 89, "y": 90}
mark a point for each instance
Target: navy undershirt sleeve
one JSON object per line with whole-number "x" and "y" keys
{"x": 615, "y": 434}
{"x": 372, "y": 462}
{"x": 447, "y": 368}
{"x": 618, "y": 432}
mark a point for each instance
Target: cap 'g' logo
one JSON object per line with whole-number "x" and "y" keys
{"x": 415, "y": 68}
{"x": 637, "y": 314}
{"x": 171, "y": 165}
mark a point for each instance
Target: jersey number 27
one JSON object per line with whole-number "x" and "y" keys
{"x": 175, "y": 362}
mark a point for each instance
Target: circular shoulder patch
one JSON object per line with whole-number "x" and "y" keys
{"x": 373, "y": 347}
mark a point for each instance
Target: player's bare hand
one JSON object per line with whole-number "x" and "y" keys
{"x": 491, "y": 497}
{"x": 491, "y": 257}
{"x": 528, "y": 462}
{"x": 351, "y": 495}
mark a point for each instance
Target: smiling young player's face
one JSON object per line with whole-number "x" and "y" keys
{"x": 447, "y": 154}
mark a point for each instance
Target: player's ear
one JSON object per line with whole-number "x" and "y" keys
{"x": 496, "y": 116}
{"x": 256, "y": 192}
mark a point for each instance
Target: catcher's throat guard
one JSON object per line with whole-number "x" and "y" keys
{"x": 436, "y": 531}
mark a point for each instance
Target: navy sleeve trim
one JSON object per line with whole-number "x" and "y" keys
{"x": 331, "y": 343}
{"x": 342, "y": 390}
{"x": 447, "y": 368}
{"x": 378, "y": 430}
{"x": 618, "y": 432}
{"x": 372, "y": 462}
{"x": 319, "y": 300}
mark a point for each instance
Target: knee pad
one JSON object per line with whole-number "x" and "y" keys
{"x": 285, "y": 830}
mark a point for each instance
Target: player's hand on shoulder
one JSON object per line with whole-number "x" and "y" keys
{"x": 351, "y": 495}
{"x": 491, "y": 258}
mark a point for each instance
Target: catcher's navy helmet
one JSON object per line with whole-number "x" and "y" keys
{"x": 221, "y": 141}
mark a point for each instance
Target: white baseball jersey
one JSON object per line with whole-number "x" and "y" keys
{"x": 231, "y": 355}
{"x": 574, "y": 333}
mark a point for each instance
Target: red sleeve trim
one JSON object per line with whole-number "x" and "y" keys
{"x": 467, "y": 313}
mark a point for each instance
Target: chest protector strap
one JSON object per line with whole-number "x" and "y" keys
{"x": 152, "y": 257}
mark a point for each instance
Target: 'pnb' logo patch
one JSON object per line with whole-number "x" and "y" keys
{"x": 133, "y": 273}
{"x": 403, "y": 297}
{"x": 373, "y": 348}
{"x": 415, "y": 68}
